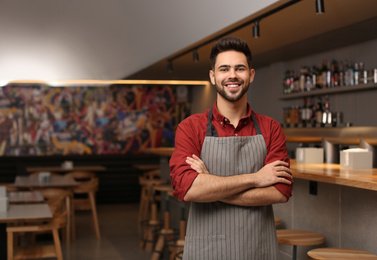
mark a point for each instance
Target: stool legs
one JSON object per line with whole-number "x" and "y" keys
{"x": 164, "y": 234}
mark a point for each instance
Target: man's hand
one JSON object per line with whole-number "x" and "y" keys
{"x": 197, "y": 164}
{"x": 273, "y": 173}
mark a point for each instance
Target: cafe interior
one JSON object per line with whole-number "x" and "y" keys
{"x": 92, "y": 92}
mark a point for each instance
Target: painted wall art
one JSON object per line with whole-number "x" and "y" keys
{"x": 40, "y": 120}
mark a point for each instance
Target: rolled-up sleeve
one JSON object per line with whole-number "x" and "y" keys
{"x": 187, "y": 143}
{"x": 277, "y": 150}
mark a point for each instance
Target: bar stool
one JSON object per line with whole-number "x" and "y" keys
{"x": 178, "y": 245}
{"x": 166, "y": 233}
{"x": 277, "y": 221}
{"x": 151, "y": 225}
{"x": 299, "y": 238}
{"x": 146, "y": 182}
{"x": 340, "y": 254}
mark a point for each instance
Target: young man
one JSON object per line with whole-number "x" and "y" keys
{"x": 231, "y": 164}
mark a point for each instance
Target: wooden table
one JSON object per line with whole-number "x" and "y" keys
{"x": 89, "y": 168}
{"x": 162, "y": 151}
{"x": 18, "y": 197}
{"x": 28, "y": 182}
{"x": 334, "y": 174}
{"x": 21, "y": 213}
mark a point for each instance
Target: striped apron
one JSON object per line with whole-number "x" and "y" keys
{"x": 224, "y": 231}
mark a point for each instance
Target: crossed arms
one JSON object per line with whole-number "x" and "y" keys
{"x": 251, "y": 189}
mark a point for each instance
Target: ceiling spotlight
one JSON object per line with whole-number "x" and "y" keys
{"x": 256, "y": 33}
{"x": 195, "y": 55}
{"x": 319, "y": 6}
{"x": 170, "y": 66}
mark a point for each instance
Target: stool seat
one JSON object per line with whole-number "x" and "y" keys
{"x": 340, "y": 254}
{"x": 296, "y": 238}
{"x": 299, "y": 237}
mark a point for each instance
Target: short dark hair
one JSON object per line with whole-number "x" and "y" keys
{"x": 230, "y": 43}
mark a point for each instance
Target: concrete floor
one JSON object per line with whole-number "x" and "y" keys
{"x": 119, "y": 235}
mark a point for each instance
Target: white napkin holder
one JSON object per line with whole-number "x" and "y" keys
{"x": 44, "y": 177}
{"x": 68, "y": 165}
{"x": 309, "y": 155}
{"x": 356, "y": 158}
{"x": 4, "y": 202}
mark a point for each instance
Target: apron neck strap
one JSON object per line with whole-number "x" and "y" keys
{"x": 211, "y": 130}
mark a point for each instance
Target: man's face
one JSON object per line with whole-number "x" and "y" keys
{"x": 231, "y": 75}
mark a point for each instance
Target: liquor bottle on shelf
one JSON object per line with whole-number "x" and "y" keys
{"x": 356, "y": 74}
{"x": 335, "y": 77}
{"x": 327, "y": 115}
{"x": 313, "y": 108}
{"x": 324, "y": 74}
{"x": 363, "y": 79}
{"x": 319, "y": 112}
{"x": 341, "y": 74}
{"x": 349, "y": 74}
{"x": 305, "y": 113}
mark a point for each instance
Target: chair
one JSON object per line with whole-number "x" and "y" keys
{"x": 88, "y": 187}
{"x": 298, "y": 238}
{"x": 339, "y": 253}
{"x": 56, "y": 198}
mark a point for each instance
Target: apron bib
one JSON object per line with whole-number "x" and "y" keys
{"x": 223, "y": 231}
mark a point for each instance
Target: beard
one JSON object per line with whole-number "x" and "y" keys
{"x": 220, "y": 88}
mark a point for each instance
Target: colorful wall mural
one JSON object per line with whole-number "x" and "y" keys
{"x": 39, "y": 120}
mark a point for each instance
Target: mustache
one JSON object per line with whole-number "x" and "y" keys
{"x": 233, "y": 81}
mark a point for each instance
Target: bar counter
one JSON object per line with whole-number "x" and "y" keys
{"x": 334, "y": 174}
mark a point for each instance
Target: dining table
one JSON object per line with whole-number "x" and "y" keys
{"x": 19, "y": 197}
{"x": 34, "y": 182}
{"x": 16, "y": 213}
{"x": 94, "y": 168}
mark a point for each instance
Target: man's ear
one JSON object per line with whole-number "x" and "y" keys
{"x": 252, "y": 74}
{"x": 212, "y": 77}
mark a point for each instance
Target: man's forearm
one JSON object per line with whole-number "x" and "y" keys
{"x": 257, "y": 197}
{"x": 210, "y": 188}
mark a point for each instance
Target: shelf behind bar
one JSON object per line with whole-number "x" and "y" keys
{"x": 327, "y": 91}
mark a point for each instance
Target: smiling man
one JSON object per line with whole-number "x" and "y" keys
{"x": 231, "y": 164}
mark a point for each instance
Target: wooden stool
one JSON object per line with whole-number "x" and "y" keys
{"x": 147, "y": 183}
{"x": 166, "y": 232}
{"x": 299, "y": 238}
{"x": 152, "y": 225}
{"x": 180, "y": 243}
{"x": 339, "y": 254}
{"x": 277, "y": 221}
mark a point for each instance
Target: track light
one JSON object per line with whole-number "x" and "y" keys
{"x": 170, "y": 66}
{"x": 319, "y": 6}
{"x": 256, "y": 33}
{"x": 195, "y": 55}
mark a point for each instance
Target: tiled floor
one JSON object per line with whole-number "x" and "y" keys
{"x": 119, "y": 235}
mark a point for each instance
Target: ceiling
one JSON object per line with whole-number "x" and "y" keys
{"x": 293, "y": 32}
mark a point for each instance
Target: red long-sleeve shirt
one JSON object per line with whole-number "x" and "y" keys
{"x": 192, "y": 131}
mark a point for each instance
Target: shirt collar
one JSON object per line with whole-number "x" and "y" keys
{"x": 220, "y": 118}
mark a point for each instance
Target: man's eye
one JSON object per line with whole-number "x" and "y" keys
{"x": 241, "y": 69}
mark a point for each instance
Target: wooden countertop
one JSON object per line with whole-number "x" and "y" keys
{"x": 334, "y": 174}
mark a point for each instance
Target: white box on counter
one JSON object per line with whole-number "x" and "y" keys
{"x": 356, "y": 158}
{"x": 309, "y": 155}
